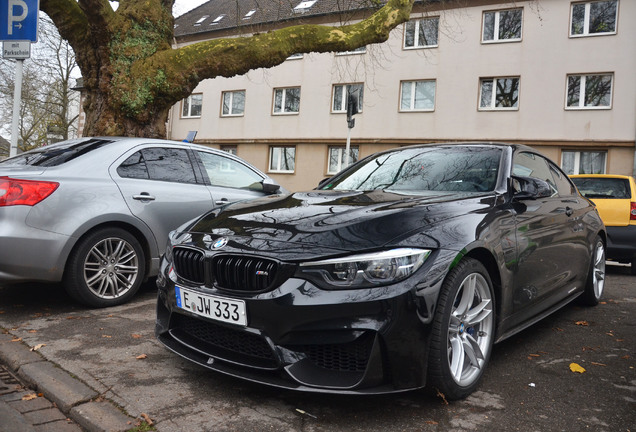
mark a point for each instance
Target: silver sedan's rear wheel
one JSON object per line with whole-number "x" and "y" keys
{"x": 463, "y": 330}
{"x": 106, "y": 268}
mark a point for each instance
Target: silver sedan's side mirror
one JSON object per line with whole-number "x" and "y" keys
{"x": 270, "y": 186}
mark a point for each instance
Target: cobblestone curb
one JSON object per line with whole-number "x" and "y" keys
{"x": 60, "y": 396}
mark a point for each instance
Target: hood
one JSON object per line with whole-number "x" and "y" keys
{"x": 332, "y": 220}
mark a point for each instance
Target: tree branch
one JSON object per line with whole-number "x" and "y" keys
{"x": 189, "y": 65}
{"x": 70, "y": 20}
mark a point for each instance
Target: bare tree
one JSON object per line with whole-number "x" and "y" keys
{"x": 49, "y": 107}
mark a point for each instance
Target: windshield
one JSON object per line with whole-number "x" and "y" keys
{"x": 56, "y": 154}
{"x": 452, "y": 168}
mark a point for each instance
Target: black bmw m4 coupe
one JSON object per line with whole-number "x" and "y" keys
{"x": 398, "y": 273}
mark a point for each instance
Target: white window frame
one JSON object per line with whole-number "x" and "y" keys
{"x": 284, "y": 91}
{"x": 187, "y": 104}
{"x": 495, "y": 33}
{"x": 577, "y": 160}
{"x": 231, "y": 94}
{"x": 341, "y": 157}
{"x": 416, "y": 35}
{"x": 277, "y": 166}
{"x": 493, "y": 100}
{"x": 248, "y": 15}
{"x": 413, "y": 94}
{"x": 581, "y": 105}
{"x": 586, "y": 19}
{"x": 344, "y": 88}
{"x": 357, "y": 51}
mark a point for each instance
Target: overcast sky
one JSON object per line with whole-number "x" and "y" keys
{"x": 183, "y": 6}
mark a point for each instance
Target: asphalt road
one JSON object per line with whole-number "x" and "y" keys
{"x": 528, "y": 385}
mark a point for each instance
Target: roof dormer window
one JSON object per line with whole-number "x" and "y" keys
{"x": 249, "y": 14}
{"x": 304, "y": 6}
{"x": 217, "y": 19}
{"x": 200, "y": 21}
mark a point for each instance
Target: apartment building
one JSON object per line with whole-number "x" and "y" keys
{"x": 558, "y": 75}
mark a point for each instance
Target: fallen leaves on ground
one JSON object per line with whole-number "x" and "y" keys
{"x": 147, "y": 418}
{"x": 582, "y": 323}
{"x": 598, "y": 364}
{"x": 29, "y": 397}
{"x": 136, "y": 336}
{"x": 37, "y": 347}
{"x": 141, "y": 357}
{"x": 16, "y": 339}
{"x": 576, "y": 368}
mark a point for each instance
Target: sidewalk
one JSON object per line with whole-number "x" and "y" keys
{"x": 54, "y": 400}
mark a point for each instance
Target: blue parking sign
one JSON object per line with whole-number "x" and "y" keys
{"x": 19, "y": 20}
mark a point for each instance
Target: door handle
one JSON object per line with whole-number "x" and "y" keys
{"x": 144, "y": 196}
{"x": 569, "y": 211}
{"x": 222, "y": 201}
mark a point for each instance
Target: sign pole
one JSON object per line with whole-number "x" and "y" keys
{"x": 17, "y": 99}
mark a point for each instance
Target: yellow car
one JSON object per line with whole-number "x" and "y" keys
{"x": 615, "y": 200}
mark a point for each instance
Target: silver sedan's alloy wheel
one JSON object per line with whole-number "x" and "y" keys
{"x": 598, "y": 271}
{"x": 111, "y": 268}
{"x": 470, "y": 330}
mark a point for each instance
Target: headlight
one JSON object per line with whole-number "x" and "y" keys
{"x": 365, "y": 270}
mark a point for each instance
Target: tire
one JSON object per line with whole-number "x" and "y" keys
{"x": 463, "y": 330}
{"x": 106, "y": 268}
{"x": 633, "y": 269}
{"x": 596, "y": 275}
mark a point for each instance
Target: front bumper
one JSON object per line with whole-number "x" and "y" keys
{"x": 299, "y": 337}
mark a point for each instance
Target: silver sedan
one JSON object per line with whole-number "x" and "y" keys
{"x": 94, "y": 213}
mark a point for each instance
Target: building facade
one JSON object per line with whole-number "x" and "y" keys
{"x": 557, "y": 75}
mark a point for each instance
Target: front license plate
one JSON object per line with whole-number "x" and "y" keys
{"x": 213, "y": 307}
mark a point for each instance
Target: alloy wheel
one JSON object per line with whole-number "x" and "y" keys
{"x": 470, "y": 329}
{"x": 111, "y": 268}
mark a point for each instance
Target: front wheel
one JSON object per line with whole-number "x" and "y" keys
{"x": 596, "y": 275}
{"x": 463, "y": 330}
{"x": 106, "y": 268}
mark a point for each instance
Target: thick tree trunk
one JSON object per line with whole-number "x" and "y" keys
{"x": 103, "y": 120}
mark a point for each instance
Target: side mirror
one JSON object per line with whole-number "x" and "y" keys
{"x": 270, "y": 186}
{"x": 530, "y": 188}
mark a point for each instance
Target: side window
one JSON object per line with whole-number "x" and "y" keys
{"x": 169, "y": 164}
{"x": 532, "y": 165}
{"x": 562, "y": 182}
{"x": 134, "y": 167}
{"x": 226, "y": 172}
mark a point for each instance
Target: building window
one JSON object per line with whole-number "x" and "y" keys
{"x": 282, "y": 159}
{"x": 583, "y": 162}
{"x": 337, "y": 158}
{"x": 233, "y": 103}
{"x": 287, "y": 100}
{"x": 340, "y": 96}
{"x": 231, "y": 149}
{"x": 417, "y": 95}
{"x": 594, "y": 18}
{"x": 499, "y": 93}
{"x": 589, "y": 91}
{"x": 502, "y": 26}
{"x": 359, "y": 50}
{"x": 192, "y": 106}
{"x": 421, "y": 33}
